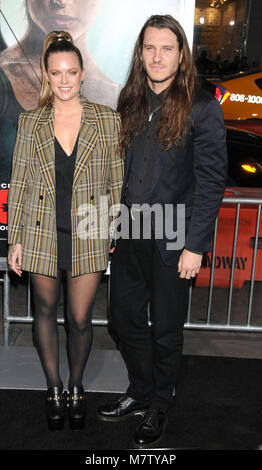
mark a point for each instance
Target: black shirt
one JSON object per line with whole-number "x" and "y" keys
{"x": 142, "y": 153}
{"x": 64, "y": 171}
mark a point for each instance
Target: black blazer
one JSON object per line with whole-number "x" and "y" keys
{"x": 194, "y": 174}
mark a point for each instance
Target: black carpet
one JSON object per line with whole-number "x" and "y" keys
{"x": 217, "y": 407}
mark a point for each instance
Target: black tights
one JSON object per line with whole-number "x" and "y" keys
{"x": 80, "y": 296}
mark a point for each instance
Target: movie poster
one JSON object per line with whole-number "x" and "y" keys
{"x": 104, "y": 30}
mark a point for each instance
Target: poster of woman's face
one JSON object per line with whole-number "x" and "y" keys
{"x": 107, "y": 28}
{"x": 105, "y": 31}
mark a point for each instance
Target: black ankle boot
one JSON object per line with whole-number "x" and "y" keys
{"x": 76, "y": 403}
{"x": 55, "y": 408}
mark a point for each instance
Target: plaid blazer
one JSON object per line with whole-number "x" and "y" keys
{"x": 98, "y": 176}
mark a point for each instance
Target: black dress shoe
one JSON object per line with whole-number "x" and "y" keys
{"x": 122, "y": 409}
{"x": 55, "y": 408}
{"x": 76, "y": 403}
{"x": 151, "y": 429}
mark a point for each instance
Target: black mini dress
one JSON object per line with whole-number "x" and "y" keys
{"x": 64, "y": 172}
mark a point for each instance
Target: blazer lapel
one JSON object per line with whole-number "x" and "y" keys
{"x": 45, "y": 144}
{"x": 46, "y": 150}
{"x": 87, "y": 139}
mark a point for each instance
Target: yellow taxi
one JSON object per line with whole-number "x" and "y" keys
{"x": 241, "y": 95}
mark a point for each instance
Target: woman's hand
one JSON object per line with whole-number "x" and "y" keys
{"x": 15, "y": 258}
{"x": 189, "y": 264}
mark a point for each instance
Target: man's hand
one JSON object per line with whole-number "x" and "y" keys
{"x": 15, "y": 258}
{"x": 189, "y": 264}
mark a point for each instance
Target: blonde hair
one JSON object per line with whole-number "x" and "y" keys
{"x": 56, "y": 41}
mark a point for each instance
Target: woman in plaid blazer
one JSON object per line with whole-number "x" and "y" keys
{"x": 67, "y": 137}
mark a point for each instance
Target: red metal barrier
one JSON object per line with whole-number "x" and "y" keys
{"x": 225, "y": 241}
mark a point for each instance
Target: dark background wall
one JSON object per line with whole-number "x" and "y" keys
{"x": 254, "y": 32}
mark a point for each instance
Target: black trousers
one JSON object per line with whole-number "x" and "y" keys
{"x": 151, "y": 353}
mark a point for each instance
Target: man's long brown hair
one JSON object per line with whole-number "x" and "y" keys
{"x": 178, "y": 98}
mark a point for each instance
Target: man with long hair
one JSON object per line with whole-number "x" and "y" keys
{"x": 173, "y": 135}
